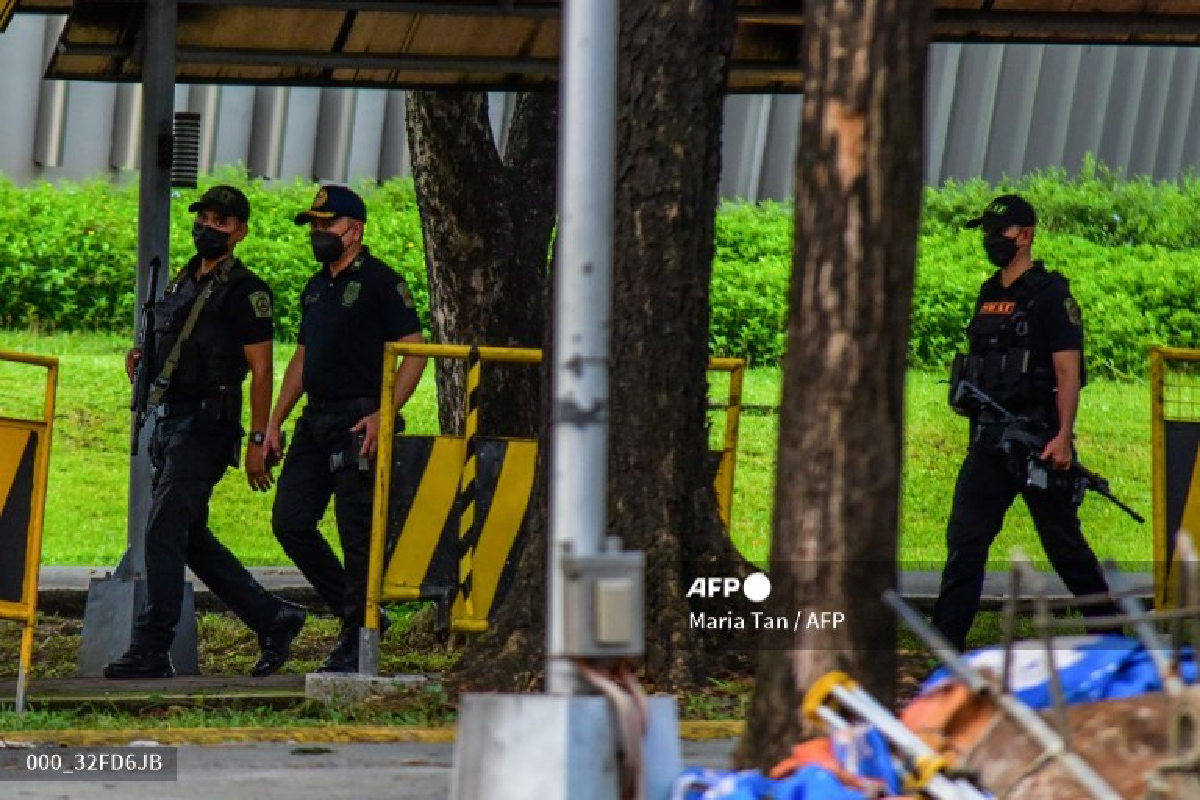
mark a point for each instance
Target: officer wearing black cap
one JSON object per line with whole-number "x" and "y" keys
{"x": 350, "y": 308}
{"x": 1026, "y": 353}
{"x": 212, "y": 326}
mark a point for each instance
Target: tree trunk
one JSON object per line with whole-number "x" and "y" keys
{"x": 674, "y": 66}
{"x": 487, "y": 220}
{"x": 858, "y": 192}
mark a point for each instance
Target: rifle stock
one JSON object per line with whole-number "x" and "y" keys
{"x": 142, "y": 377}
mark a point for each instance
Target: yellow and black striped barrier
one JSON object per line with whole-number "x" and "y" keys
{"x": 24, "y": 465}
{"x": 466, "y": 489}
{"x": 7, "y": 7}
{"x": 1175, "y": 437}
{"x": 446, "y": 529}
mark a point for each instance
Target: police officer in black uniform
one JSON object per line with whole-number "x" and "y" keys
{"x": 1026, "y": 353}
{"x": 351, "y": 308}
{"x": 212, "y": 326}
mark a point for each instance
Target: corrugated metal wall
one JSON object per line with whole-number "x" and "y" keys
{"x": 993, "y": 111}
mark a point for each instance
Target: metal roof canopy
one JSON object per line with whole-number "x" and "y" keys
{"x": 505, "y": 45}
{"x": 514, "y": 44}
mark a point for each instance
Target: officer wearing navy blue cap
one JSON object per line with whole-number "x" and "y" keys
{"x": 350, "y": 308}
{"x": 1026, "y": 353}
{"x": 213, "y": 325}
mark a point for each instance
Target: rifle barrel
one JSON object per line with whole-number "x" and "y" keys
{"x": 1123, "y": 507}
{"x": 141, "y": 379}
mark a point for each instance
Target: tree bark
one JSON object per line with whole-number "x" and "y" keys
{"x": 674, "y": 66}
{"x": 674, "y": 69}
{"x": 487, "y": 220}
{"x": 858, "y": 179}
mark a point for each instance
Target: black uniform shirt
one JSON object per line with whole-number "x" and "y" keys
{"x": 345, "y": 322}
{"x": 246, "y": 316}
{"x": 248, "y": 308}
{"x": 1054, "y": 320}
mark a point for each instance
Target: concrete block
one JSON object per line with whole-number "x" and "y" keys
{"x": 350, "y": 688}
{"x": 514, "y": 747}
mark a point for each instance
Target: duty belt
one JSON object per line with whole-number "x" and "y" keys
{"x": 179, "y": 408}
{"x": 342, "y": 405}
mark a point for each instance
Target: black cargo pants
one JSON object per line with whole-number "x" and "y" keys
{"x": 306, "y": 483}
{"x": 986, "y": 488}
{"x": 190, "y": 452}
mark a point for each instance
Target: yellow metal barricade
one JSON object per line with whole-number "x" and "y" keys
{"x": 449, "y": 535}
{"x": 1175, "y": 437}
{"x": 24, "y": 466}
{"x": 723, "y": 481}
{"x": 438, "y": 545}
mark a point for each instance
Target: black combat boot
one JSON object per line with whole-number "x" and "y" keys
{"x": 344, "y": 655}
{"x": 139, "y": 664}
{"x": 276, "y": 641}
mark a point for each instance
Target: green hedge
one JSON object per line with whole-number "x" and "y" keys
{"x": 68, "y": 253}
{"x": 1130, "y": 248}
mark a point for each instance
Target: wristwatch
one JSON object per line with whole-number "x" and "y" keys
{"x": 257, "y": 437}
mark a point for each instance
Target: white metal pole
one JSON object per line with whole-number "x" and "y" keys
{"x": 582, "y": 308}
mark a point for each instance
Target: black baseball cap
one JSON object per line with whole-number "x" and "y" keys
{"x": 1003, "y": 212}
{"x": 334, "y": 201}
{"x": 228, "y": 201}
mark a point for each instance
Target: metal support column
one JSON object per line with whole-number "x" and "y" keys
{"x": 114, "y": 602}
{"x": 564, "y": 743}
{"x": 582, "y": 312}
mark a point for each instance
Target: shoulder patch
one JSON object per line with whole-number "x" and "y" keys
{"x": 1073, "y": 312}
{"x": 405, "y": 294}
{"x": 261, "y": 303}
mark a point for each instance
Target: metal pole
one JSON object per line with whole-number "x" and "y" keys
{"x": 582, "y": 310}
{"x": 154, "y": 220}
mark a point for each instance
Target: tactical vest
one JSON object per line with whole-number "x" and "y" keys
{"x": 211, "y": 357}
{"x": 1001, "y": 360}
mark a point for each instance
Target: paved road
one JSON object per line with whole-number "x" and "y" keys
{"x": 302, "y": 772}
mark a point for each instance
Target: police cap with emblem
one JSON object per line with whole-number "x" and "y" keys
{"x": 334, "y": 201}
{"x": 1004, "y": 212}
{"x": 228, "y": 201}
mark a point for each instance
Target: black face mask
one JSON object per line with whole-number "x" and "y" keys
{"x": 210, "y": 242}
{"x": 327, "y": 247}
{"x": 1000, "y": 249}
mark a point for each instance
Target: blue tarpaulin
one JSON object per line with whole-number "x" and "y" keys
{"x": 1090, "y": 668}
{"x": 861, "y": 751}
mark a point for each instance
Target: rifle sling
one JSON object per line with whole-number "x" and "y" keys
{"x": 163, "y": 381}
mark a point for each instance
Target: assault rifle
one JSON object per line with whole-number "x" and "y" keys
{"x": 1023, "y": 436}
{"x": 142, "y": 379}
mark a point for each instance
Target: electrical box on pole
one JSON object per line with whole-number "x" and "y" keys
{"x": 603, "y": 608}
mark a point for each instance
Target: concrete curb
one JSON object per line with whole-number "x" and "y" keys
{"x": 689, "y": 730}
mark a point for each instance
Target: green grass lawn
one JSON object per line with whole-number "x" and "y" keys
{"x": 86, "y": 504}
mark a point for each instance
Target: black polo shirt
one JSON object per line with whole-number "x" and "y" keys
{"x": 345, "y": 320}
